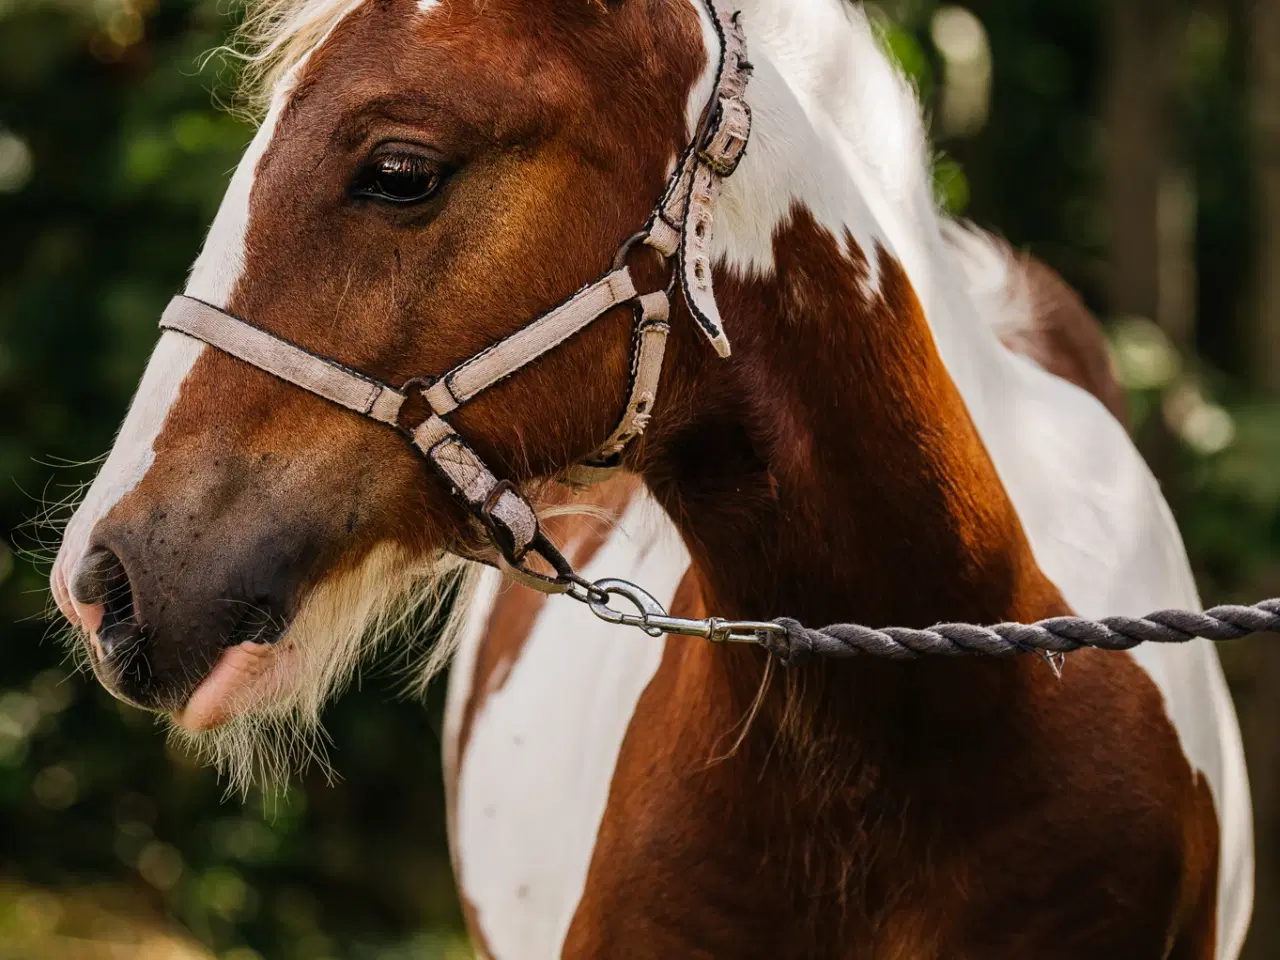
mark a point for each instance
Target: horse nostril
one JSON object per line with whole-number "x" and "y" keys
{"x": 100, "y": 579}
{"x": 95, "y": 576}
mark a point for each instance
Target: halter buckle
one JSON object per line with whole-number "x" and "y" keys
{"x": 624, "y": 252}
{"x": 726, "y": 142}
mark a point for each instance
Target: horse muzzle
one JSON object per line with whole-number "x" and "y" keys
{"x": 167, "y": 619}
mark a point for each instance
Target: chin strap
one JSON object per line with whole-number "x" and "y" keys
{"x": 680, "y": 225}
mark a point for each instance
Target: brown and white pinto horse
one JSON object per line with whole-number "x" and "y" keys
{"x": 431, "y": 174}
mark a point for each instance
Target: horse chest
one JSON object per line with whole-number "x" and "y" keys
{"x": 690, "y": 864}
{"x": 589, "y": 823}
{"x": 537, "y": 736}
{"x": 598, "y": 807}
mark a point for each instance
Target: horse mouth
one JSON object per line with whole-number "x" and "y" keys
{"x": 243, "y": 677}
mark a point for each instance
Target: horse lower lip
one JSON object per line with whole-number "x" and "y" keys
{"x": 266, "y": 639}
{"x": 227, "y": 690}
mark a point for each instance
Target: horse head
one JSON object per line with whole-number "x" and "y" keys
{"x": 429, "y": 176}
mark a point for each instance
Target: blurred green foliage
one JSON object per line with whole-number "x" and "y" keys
{"x": 126, "y": 157}
{"x": 114, "y": 153}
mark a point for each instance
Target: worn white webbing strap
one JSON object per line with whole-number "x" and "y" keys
{"x": 683, "y": 223}
{"x": 475, "y": 483}
{"x": 646, "y": 373}
{"x": 287, "y": 361}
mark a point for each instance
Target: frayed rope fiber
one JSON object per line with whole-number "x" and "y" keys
{"x": 1052, "y": 636}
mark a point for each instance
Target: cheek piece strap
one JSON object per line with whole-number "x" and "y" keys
{"x": 679, "y": 230}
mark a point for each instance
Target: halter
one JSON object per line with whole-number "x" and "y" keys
{"x": 680, "y": 227}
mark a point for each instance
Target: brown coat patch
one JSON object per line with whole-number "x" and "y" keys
{"x": 1064, "y": 337}
{"x": 971, "y": 808}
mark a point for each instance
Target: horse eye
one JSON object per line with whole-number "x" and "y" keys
{"x": 401, "y": 178}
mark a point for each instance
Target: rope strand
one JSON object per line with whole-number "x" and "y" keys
{"x": 1054, "y": 635}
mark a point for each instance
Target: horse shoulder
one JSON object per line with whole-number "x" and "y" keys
{"x": 1061, "y": 336}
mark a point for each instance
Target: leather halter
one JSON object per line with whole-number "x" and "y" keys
{"x": 680, "y": 227}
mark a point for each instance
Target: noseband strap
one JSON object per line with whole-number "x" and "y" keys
{"x": 680, "y": 227}
{"x": 321, "y": 376}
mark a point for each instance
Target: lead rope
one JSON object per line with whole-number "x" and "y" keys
{"x": 795, "y": 644}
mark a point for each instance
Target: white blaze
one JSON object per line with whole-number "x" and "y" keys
{"x": 213, "y": 278}
{"x": 132, "y": 453}
{"x": 221, "y": 262}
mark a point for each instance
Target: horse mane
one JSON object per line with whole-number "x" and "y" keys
{"x": 275, "y": 36}
{"x": 833, "y": 57}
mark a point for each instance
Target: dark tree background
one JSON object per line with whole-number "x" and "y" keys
{"x": 1133, "y": 144}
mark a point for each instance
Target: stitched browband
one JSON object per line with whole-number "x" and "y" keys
{"x": 680, "y": 226}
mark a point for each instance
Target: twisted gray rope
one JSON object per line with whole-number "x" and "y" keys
{"x": 1055, "y": 635}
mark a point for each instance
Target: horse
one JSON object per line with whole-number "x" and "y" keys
{"x": 868, "y": 412}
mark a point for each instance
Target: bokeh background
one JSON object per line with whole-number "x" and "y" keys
{"x": 1134, "y": 145}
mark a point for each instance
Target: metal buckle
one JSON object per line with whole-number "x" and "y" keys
{"x": 723, "y": 168}
{"x": 563, "y": 578}
{"x": 624, "y": 251}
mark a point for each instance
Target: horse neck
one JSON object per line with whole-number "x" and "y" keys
{"x": 830, "y": 470}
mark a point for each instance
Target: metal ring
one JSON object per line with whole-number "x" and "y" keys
{"x": 583, "y": 590}
{"x": 629, "y": 244}
{"x": 641, "y": 599}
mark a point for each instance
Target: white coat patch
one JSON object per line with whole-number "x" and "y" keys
{"x": 534, "y": 780}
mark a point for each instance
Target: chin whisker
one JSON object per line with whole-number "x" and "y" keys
{"x": 275, "y": 732}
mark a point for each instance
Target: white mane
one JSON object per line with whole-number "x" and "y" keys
{"x": 276, "y": 35}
